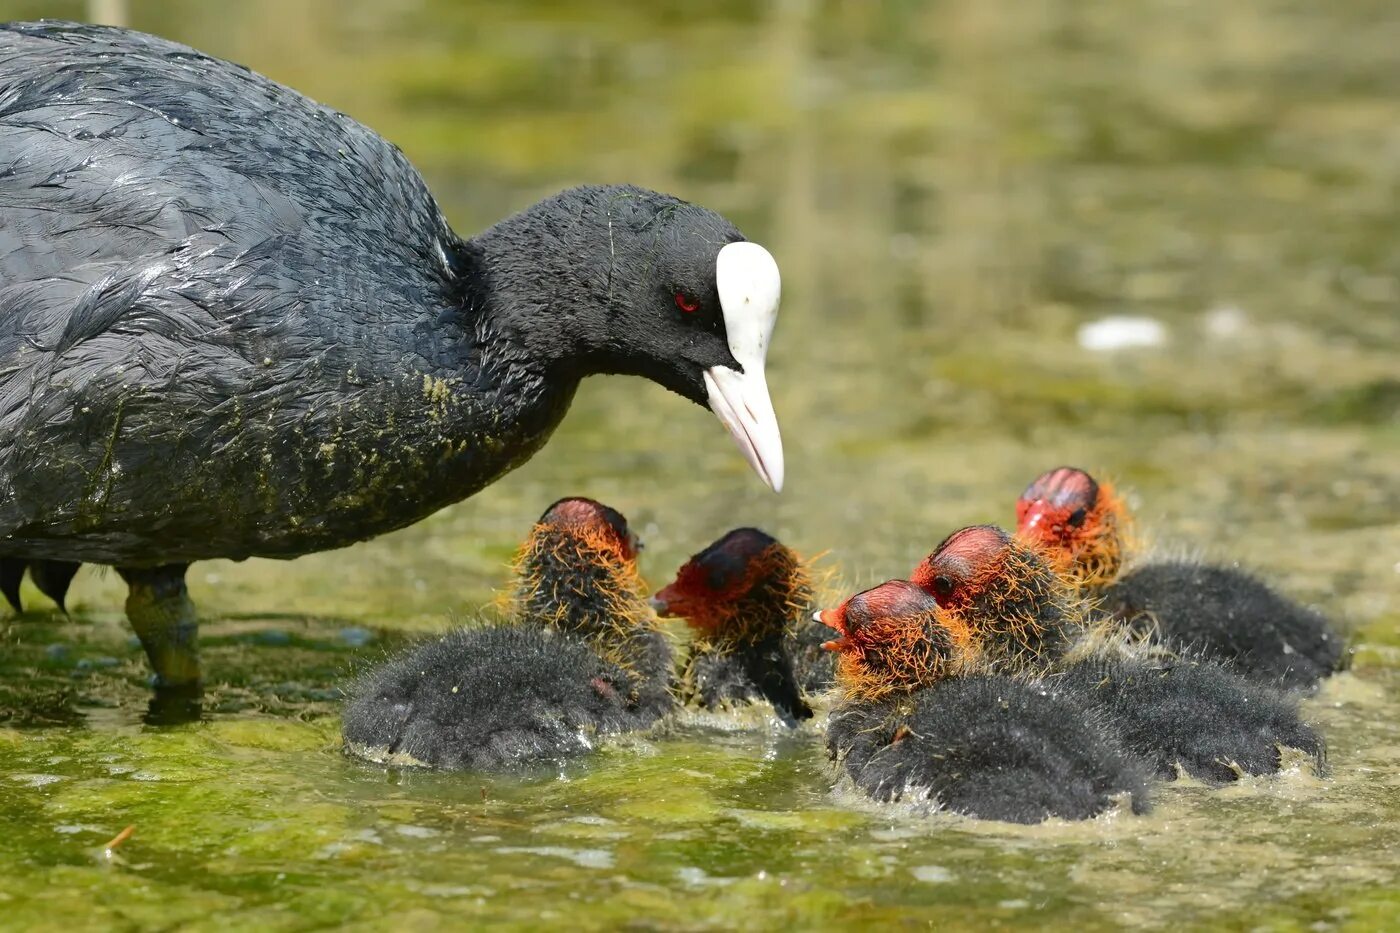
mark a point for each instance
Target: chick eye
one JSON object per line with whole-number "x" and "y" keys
{"x": 1076, "y": 518}
{"x": 942, "y": 587}
{"x": 688, "y": 305}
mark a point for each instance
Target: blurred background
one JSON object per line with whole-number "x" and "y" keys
{"x": 1155, "y": 239}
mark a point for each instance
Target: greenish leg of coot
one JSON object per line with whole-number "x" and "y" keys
{"x": 162, "y": 614}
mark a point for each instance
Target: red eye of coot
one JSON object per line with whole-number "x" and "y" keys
{"x": 686, "y": 304}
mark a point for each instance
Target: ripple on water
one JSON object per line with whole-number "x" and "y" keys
{"x": 36, "y": 780}
{"x": 584, "y": 858}
{"x": 931, "y": 874}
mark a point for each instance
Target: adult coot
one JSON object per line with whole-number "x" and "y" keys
{"x": 1215, "y": 611}
{"x": 234, "y": 322}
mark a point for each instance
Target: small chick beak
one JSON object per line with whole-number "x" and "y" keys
{"x": 831, "y": 619}
{"x": 749, "y": 291}
{"x": 664, "y": 601}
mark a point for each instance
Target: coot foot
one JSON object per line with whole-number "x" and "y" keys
{"x": 175, "y": 706}
{"x": 162, "y": 614}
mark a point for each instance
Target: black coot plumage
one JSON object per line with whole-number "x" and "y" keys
{"x": 1216, "y": 612}
{"x": 1171, "y": 709}
{"x": 922, "y": 718}
{"x": 234, "y": 322}
{"x": 746, "y": 595}
{"x": 579, "y": 660}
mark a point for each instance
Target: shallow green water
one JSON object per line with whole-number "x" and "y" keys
{"x": 952, "y": 189}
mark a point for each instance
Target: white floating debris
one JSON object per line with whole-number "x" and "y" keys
{"x": 1225, "y": 321}
{"x": 1122, "y": 332}
{"x": 698, "y": 876}
{"x": 931, "y": 874}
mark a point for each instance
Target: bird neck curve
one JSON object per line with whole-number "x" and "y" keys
{"x": 504, "y": 277}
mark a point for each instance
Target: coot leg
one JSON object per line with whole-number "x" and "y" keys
{"x": 174, "y": 706}
{"x": 11, "y": 573}
{"x": 53, "y": 577}
{"x": 160, "y": 610}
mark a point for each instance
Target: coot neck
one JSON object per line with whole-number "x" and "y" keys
{"x": 509, "y": 286}
{"x": 752, "y": 622}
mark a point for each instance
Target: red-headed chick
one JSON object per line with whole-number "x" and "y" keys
{"x": 745, "y": 596}
{"x": 1174, "y": 711}
{"x": 921, "y": 719}
{"x": 1022, "y": 612}
{"x": 1216, "y": 612}
{"x": 579, "y": 658}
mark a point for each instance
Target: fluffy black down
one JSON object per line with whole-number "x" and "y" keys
{"x": 759, "y": 673}
{"x": 988, "y": 746}
{"x": 1225, "y": 614}
{"x": 492, "y": 698}
{"x": 815, "y": 667}
{"x": 1195, "y": 713}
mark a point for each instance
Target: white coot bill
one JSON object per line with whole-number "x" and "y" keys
{"x": 749, "y": 291}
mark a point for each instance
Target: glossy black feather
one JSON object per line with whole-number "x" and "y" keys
{"x": 53, "y": 577}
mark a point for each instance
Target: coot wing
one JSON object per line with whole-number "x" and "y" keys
{"x": 181, "y": 237}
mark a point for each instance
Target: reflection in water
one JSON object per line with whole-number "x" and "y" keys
{"x": 953, "y": 191}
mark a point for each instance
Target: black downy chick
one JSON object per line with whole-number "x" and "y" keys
{"x": 922, "y": 719}
{"x": 1170, "y": 709}
{"x": 580, "y": 659}
{"x": 745, "y": 596}
{"x": 1215, "y": 612}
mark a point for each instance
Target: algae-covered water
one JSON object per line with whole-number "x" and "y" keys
{"x": 953, "y": 190}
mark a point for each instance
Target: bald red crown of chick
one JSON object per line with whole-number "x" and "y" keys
{"x": 894, "y": 638}
{"x": 1018, "y": 608}
{"x": 1079, "y": 523}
